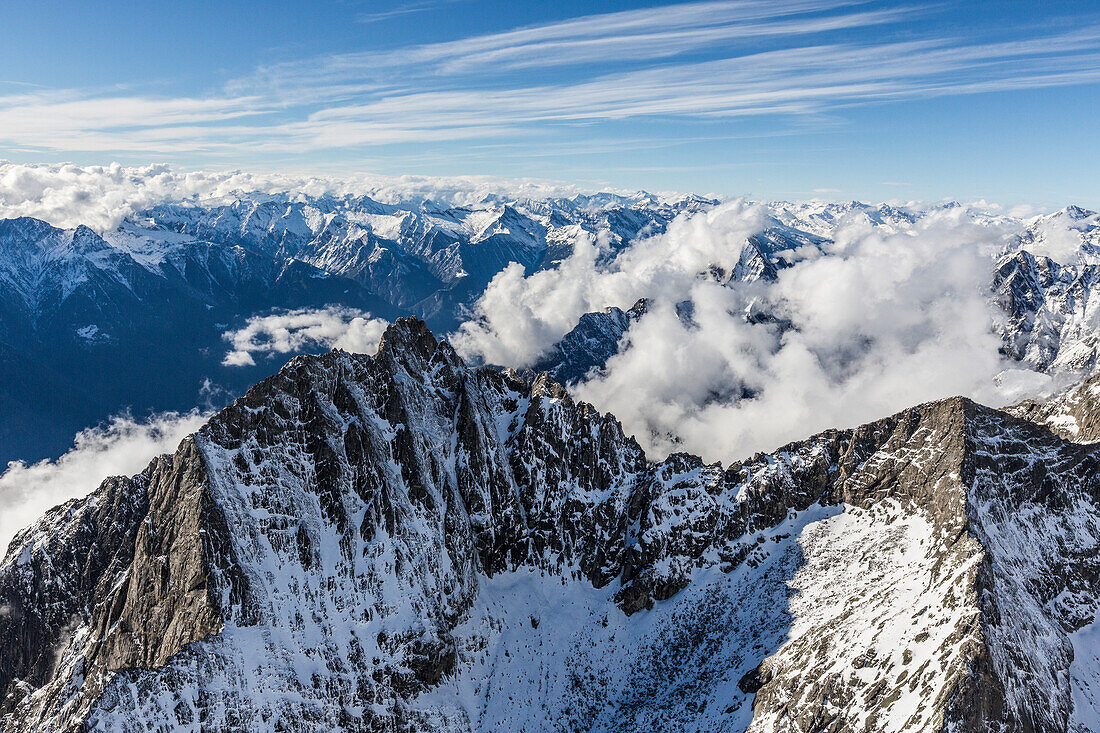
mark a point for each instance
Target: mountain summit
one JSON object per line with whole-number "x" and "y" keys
{"x": 401, "y": 542}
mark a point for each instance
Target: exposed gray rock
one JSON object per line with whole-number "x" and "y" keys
{"x": 593, "y": 341}
{"x": 401, "y": 542}
{"x": 1050, "y": 312}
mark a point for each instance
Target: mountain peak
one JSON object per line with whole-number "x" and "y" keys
{"x": 408, "y": 333}
{"x": 405, "y": 532}
{"x": 1077, "y": 213}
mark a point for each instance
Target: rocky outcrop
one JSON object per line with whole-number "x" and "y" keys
{"x": 1049, "y": 311}
{"x": 401, "y": 542}
{"x": 590, "y": 343}
{"x": 1074, "y": 414}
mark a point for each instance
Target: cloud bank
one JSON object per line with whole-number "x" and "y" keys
{"x": 121, "y": 446}
{"x": 518, "y": 318}
{"x": 100, "y": 197}
{"x": 866, "y": 326}
{"x": 306, "y": 328}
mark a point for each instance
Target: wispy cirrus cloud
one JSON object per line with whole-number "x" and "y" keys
{"x": 689, "y": 61}
{"x": 76, "y": 120}
{"x": 791, "y": 81}
{"x": 630, "y": 35}
{"x": 410, "y": 8}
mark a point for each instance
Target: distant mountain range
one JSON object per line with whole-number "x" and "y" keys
{"x": 133, "y": 318}
{"x": 92, "y": 324}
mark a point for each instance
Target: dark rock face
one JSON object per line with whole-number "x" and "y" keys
{"x": 590, "y": 344}
{"x": 167, "y": 601}
{"x": 1047, "y": 308}
{"x": 139, "y": 584}
{"x": 753, "y": 680}
{"x": 401, "y": 542}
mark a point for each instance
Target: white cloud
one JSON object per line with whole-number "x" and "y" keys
{"x": 519, "y": 317}
{"x": 879, "y": 323}
{"x": 296, "y": 330}
{"x": 121, "y": 447}
{"x": 100, "y": 197}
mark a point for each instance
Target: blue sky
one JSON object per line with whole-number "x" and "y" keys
{"x": 789, "y": 99}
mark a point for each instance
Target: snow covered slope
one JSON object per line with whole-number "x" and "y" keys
{"x": 1053, "y": 312}
{"x": 401, "y": 542}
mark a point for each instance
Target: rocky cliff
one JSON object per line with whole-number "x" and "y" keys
{"x": 403, "y": 543}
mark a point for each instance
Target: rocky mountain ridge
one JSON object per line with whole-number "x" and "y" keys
{"x": 401, "y": 542}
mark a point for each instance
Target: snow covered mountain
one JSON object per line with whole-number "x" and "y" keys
{"x": 1053, "y": 312}
{"x": 91, "y": 325}
{"x": 401, "y": 542}
{"x": 135, "y": 318}
{"x": 409, "y": 254}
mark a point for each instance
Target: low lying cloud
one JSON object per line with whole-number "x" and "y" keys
{"x": 336, "y": 327}
{"x": 101, "y": 197}
{"x": 1060, "y": 239}
{"x": 121, "y": 446}
{"x": 518, "y": 318}
{"x": 866, "y": 326}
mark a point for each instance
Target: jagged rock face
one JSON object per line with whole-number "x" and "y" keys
{"x": 1073, "y": 414}
{"x": 593, "y": 341}
{"x": 401, "y": 542}
{"x": 753, "y": 265}
{"x": 1050, "y": 312}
